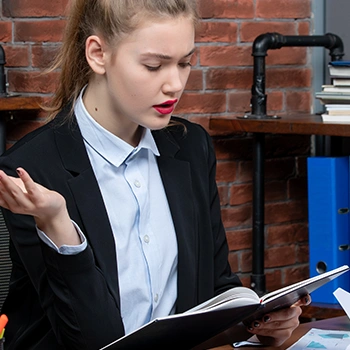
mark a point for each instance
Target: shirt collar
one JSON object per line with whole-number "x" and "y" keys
{"x": 112, "y": 148}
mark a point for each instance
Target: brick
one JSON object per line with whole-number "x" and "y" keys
{"x": 304, "y": 28}
{"x": 226, "y": 8}
{"x": 5, "y": 31}
{"x": 296, "y": 274}
{"x": 275, "y": 191}
{"x": 218, "y": 56}
{"x": 217, "y": 32}
{"x": 249, "y": 31}
{"x": 201, "y": 120}
{"x": 195, "y": 80}
{"x": 303, "y": 253}
{"x": 241, "y": 194}
{"x": 239, "y": 102}
{"x": 287, "y": 56}
{"x": 245, "y": 261}
{"x": 283, "y": 9}
{"x": 34, "y": 8}
{"x": 227, "y": 78}
{"x": 201, "y": 103}
{"x": 32, "y": 82}
{"x": 43, "y": 55}
{"x": 273, "y": 279}
{"x": 297, "y": 188}
{"x": 223, "y": 194}
{"x": 286, "y": 146}
{"x": 39, "y": 31}
{"x": 275, "y": 169}
{"x": 288, "y": 78}
{"x": 239, "y": 239}
{"x": 16, "y": 56}
{"x": 237, "y": 217}
{"x": 283, "y": 212}
{"x": 286, "y": 234}
{"x": 233, "y": 148}
{"x": 299, "y": 101}
{"x": 226, "y": 171}
{"x": 233, "y": 261}
{"x": 273, "y": 256}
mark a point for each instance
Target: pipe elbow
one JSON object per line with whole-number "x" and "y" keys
{"x": 264, "y": 42}
{"x": 336, "y": 46}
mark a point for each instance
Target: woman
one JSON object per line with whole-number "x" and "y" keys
{"x": 119, "y": 220}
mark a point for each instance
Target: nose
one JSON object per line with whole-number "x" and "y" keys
{"x": 175, "y": 80}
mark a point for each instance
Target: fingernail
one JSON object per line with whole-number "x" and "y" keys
{"x": 266, "y": 318}
{"x": 256, "y": 324}
{"x": 19, "y": 172}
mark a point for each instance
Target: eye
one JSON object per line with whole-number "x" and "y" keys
{"x": 152, "y": 68}
{"x": 185, "y": 64}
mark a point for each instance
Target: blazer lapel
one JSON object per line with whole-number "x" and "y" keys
{"x": 89, "y": 202}
{"x": 176, "y": 176}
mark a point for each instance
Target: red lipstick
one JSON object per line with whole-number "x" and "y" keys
{"x": 166, "y": 107}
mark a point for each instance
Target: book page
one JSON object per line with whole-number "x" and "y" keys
{"x": 323, "y": 339}
{"x": 234, "y": 297}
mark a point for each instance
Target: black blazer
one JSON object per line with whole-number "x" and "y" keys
{"x": 72, "y": 302}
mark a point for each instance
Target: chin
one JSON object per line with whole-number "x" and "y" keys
{"x": 158, "y": 124}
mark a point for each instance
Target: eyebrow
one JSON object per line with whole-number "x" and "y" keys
{"x": 167, "y": 57}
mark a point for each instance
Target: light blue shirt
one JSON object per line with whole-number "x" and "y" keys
{"x": 140, "y": 218}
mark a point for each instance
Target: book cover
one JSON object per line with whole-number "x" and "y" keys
{"x": 197, "y": 325}
{"x": 339, "y": 68}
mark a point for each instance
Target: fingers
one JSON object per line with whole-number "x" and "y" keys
{"x": 15, "y": 192}
{"x": 28, "y": 183}
{"x": 275, "y": 328}
{"x": 306, "y": 300}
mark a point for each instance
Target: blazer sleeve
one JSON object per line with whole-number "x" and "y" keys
{"x": 70, "y": 291}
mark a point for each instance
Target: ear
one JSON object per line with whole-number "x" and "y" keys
{"x": 95, "y": 54}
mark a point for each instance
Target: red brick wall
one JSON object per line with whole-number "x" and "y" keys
{"x": 219, "y": 85}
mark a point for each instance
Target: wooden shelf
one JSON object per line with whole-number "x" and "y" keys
{"x": 18, "y": 102}
{"x": 303, "y": 124}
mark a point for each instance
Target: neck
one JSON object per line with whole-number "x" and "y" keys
{"x": 99, "y": 107}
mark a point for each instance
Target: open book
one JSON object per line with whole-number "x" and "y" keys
{"x": 239, "y": 304}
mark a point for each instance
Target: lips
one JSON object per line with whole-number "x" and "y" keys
{"x": 166, "y": 107}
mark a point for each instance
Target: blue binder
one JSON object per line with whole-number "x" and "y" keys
{"x": 328, "y": 199}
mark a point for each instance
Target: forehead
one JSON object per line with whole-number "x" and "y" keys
{"x": 171, "y": 37}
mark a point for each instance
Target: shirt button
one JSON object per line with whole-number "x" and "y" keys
{"x": 137, "y": 183}
{"x": 156, "y": 297}
{"x": 146, "y": 239}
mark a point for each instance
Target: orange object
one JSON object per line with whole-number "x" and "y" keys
{"x": 3, "y": 322}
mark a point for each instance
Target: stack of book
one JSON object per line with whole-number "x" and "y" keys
{"x": 336, "y": 97}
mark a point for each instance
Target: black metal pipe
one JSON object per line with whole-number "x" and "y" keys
{"x": 270, "y": 41}
{"x": 261, "y": 45}
{"x": 258, "y": 277}
{"x": 3, "y": 90}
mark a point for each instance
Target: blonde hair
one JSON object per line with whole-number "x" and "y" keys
{"x": 110, "y": 19}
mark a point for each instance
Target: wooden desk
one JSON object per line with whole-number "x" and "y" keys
{"x": 289, "y": 124}
{"x": 337, "y": 323}
{"x": 11, "y": 103}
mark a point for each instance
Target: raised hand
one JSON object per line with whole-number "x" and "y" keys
{"x": 23, "y": 196}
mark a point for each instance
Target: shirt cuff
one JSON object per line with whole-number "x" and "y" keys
{"x": 65, "y": 249}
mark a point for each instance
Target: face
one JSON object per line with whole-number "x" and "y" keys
{"x": 146, "y": 73}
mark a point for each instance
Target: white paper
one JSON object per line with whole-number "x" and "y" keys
{"x": 320, "y": 339}
{"x": 344, "y": 299}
